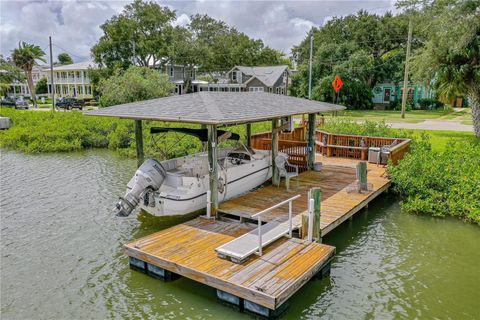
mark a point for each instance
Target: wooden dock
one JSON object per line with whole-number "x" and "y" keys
{"x": 260, "y": 284}
{"x": 188, "y": 249}
{"x": 335, "y": 180}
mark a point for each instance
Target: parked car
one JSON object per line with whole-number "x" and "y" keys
{"x": 18, "y": 103}
{"x": 69, "y": 103}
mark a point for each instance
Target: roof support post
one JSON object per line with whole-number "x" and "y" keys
{"x": 311, "y": 140}
{"x": 213, "y": 167}
{"x": 139, "y": 142}
{"x": 275, "y": 177}
{"x": 249, "y": 134}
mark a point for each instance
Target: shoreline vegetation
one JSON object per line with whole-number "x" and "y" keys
{"x": 440, "y": 176}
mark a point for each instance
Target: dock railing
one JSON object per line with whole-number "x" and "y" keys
{"x": 259, "y": 214}
{"x": 329, "y": 144}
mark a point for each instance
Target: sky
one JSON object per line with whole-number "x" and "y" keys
{"x": 75, "y": 25}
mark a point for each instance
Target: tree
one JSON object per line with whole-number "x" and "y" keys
{"x": 140, "y": 35}
{"x": 41, "y": 87}
{"x": 64, "y": 58}
{"x": 451, "y": 55}
{"x": 25, "y": 57}
{"x": 8, "y": 74}
{"x": 134, "y": 84}
{"x": 362, "y": 48}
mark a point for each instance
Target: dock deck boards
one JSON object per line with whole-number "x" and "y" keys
{"x": 188, "y": 249}
{"x": 337, "y": 204}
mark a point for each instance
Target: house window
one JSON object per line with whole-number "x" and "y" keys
{"x": 277, "y": 89}
{"x": 256, "y": 89}
{"x": 234, "y": 75}
{"x": 171, "y": 71}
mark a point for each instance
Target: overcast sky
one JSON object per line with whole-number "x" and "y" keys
{"x": 74, "y": 25}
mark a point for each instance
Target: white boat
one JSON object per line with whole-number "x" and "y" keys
{"x": 179, "y": 186}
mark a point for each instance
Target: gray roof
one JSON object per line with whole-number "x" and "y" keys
{"x": 268, "y": 75}
{"x": 76, "y": 66}
{"x": 216, "y": 108}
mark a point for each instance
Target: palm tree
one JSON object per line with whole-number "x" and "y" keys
{"x": 25, "y": 57}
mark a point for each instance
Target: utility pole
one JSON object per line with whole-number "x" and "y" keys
{"x": 134, "y": 56}
{"x": 310, "y": 69}
{"x": 51, "y": 74}
{"x": 405, "y": 75}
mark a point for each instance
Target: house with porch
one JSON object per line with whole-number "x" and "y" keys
{"x": 386, "y": 93}
{"x": 272, "y": 79}
{"x": 21, "y": 89}
{"x": 72, "y": 80}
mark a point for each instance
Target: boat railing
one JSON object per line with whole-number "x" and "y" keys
{"x": 259, "y": 214}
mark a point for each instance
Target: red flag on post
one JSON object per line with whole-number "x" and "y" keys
{"x": 337, "y": 83}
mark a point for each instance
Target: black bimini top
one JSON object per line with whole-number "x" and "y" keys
{"x": 201, "y": 134}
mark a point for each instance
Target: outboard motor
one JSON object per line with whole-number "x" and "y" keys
{"x": 149, "y": 176}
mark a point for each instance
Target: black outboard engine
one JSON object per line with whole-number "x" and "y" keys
{"x": 149, "y": 176}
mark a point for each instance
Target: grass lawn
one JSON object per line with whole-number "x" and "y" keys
{"x": 413, "y": 116}
{"x": 440, "y": 139}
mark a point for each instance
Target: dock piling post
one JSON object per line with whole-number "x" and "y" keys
{"x": 310, "y": 219}
{"x": 316, "y": 196}
{"x": 213, "y": 166}
{"x": 209, "y": 204}
{"x": 362, "y": 176}
{"x": 139, "y": 142}
{"x": 311, "y": 140}
{"x": 275, "y": 178}
{"x": 249, "y": 134}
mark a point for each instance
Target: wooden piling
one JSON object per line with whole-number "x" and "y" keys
{"x": 362, "y": 176}
{"x": 249, "y": 134}
{"x": 275, "y": 125}
{"x": 311, "y": 140}
{"x": 213, "y": 167}
{"x": 139, "y": 142}
{"x": 316, "y": 196}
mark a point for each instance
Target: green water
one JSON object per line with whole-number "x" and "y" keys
{"x": 61, "y": 255}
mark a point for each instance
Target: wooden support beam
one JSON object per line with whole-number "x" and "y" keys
{"x": 311, "y": 140}
{"x": 275, "y": 177}
{"x": 213, "y": 167}
{"x": 249, "y": 134}
{"x": 139, "y": 142}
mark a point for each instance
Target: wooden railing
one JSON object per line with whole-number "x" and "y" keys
{"x": 330, "y": 144}
{"x": 355, "y": 146}
{"x": 296, "y": 150}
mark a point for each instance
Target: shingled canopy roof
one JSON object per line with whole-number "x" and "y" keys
{"x": 216, "y": 108}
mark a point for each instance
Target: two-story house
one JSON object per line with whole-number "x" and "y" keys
{"x": 72, "y": 80}
{"x": 273, "y": 79}
{"x": 20, "y": 88}
{"x": 179, "y": 73}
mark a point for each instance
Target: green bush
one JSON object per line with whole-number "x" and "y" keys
{"x": 57, "y": 131}
{"x": 34, "y": 132}
{"x": 430, "y": 104}
{"x": 367, "y": 128}
{"x": 440, "y": 183}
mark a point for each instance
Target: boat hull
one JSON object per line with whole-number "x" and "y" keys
{"x": 233, "y": 183}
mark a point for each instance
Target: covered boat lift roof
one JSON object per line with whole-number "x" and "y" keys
{"x": 214, "y": 109}
{"x": 217, "y": 108}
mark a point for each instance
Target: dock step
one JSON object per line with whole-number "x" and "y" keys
{"x": 239, "y": 249}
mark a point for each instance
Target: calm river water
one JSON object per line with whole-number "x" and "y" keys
{"x": 61, "y": 255}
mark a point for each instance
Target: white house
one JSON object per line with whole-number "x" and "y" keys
{"x": 72, "y": 80}
{"x": 18, "y": 88}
